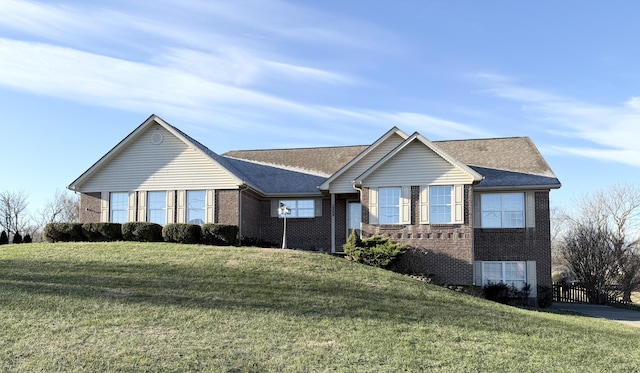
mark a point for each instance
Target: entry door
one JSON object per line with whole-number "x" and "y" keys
{"x": 354, "y": 215}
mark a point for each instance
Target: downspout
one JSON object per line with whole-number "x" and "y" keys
{"x": 333, "y": 222}
{"x": 360, "y": 192}
{"x": 242, "y": 188}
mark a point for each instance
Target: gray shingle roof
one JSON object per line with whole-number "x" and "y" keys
{"x": 504, "y": 162}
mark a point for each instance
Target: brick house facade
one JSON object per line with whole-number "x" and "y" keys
{"x": 472, "y": 211}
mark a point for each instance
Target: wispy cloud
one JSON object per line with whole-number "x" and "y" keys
{"x": 606, "y": 132}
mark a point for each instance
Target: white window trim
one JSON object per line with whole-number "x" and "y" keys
{"x": 504, "y": 280}
{"x": 294, "y": 210}
{"x": 163, "y": 209}
{"x": 398, "y": 205}
{"x": 125, "y": 208}
{"x": 527, "y": 219}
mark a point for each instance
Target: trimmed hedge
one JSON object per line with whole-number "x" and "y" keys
{"x": 63, "y": 232}
{"x": 142, "y": 232}
{"x": 96, "y": 232}
{"x": 182, "y": 233}
{"x": 219, "y": 234}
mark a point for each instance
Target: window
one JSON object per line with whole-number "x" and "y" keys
{"x": 510, "y": 273}
{"x": 301, "y": 208}
{"x": 157, "y": 207}
{"x": 389, "y": 205}
{"x": 440, "y": 204}
{"x": 195, "y": 207}
{"x": 502, "y": 210}
{"x": 118, "y": 206}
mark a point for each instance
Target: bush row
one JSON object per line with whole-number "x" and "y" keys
{"x": 17, "y": 238}
{"x": 209, "y": 234}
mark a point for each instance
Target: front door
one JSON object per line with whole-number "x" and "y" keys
{"x": 354, "y": 214}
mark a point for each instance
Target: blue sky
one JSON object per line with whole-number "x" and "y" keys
{"x": 77, "y": 76}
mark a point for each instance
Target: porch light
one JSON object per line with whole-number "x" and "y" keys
{"x": 284, "y": 211}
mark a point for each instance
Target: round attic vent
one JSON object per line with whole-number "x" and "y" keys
{"x": 157, "y": 138}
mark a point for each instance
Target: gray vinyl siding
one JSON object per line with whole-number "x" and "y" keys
{"x": 416, "y": 164}
{"x": 170, "y": 165}
{"x": 344, "y": 182}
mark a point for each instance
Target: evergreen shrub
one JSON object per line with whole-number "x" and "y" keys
{"x": 376, "y": 251}
{"x": 182, "y": 233}
{"x": 17, "y": 238}
{"x": 96, "y": 232}
{"x": 142, "y": 232}
{"x": 27, "y": 238}
{"x": 63, "y": 232}
{"x": 4, "y": 239}
{"x": 219, "y": 234}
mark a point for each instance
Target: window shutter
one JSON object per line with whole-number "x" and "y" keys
{"x": 458, "y": 204}
{"x": 142, "y": 206}
{"x": 373, "y": 205}
{"x": 211, "y": 204}
{"x": 171, "y": 206}
{"x": 477, "y": 210}
{"x": 405, "y": 205}
{"x": 104, "y": 207}
{"x": 530, "y": 208}
{"x": 274, "y": 208}
{"x": 132, "y": 206}
{"x": 318, "y": 207}
{"x": 424, "y": 205}
{"x": 531, "y": 278}
{"x": 477, "y": 273}
{"x": 180, "y": 203}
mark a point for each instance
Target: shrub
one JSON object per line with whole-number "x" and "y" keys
{"x": 376, "y": 251}
{"x": 4, "y": 239}
{"x": 27, "y": 238}
{"x": 181, "y": 233}
{"x": 219, "y": 234}
{"x": 545, "y": 296}
{"x": 63, "y": 232}
{"x": 102, "y": 231}
{"x": 142, "y": 232}
{"x": 17, "y": 238}
{"x": 503, "y": 293}
{"x": 256, "y": 242}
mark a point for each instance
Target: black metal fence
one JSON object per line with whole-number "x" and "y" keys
{"x": 576, "y": 293}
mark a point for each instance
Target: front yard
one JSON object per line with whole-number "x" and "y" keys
{"x": 168, "y": 307}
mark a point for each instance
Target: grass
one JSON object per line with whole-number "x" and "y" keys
{"x": 168, "y": 307}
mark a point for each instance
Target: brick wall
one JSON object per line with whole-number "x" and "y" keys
{"x": 442, "y": 251}
{"x": 521, "y": 244}
{"x": 227, "y": 207}
{"x": 251, "y": 213}
{"x": 302, "y": 233}
{"x": 90, "y": 206}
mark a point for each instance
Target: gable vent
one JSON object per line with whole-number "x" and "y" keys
{"x": 157, "y": 138}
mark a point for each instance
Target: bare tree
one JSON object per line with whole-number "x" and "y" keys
{"x": 613, "y": 217}
{"x": 13, "y": 211}
{"x": 64, "y": 207}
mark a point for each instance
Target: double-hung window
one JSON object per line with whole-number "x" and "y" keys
{"x": 389, "y": 205}
{"x": 300, "y": 208}
{"x": 502, "y": 210}
{"x": 509, "y": 273}
{"x": 440, "y": 204}
{"x": 196, "y": 206}
{"x": 118, "y": 207}
{"x": 157, "y": 207}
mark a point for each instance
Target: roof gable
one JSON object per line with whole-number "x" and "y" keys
{"x": 421, "y": 161}
{"x": 369, "y": 156}
{"x": 145, "y": 156}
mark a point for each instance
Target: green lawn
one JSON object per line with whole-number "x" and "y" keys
{"x": 166, "y": 307}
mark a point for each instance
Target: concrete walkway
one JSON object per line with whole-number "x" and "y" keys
{"x": 628, "y": 317}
